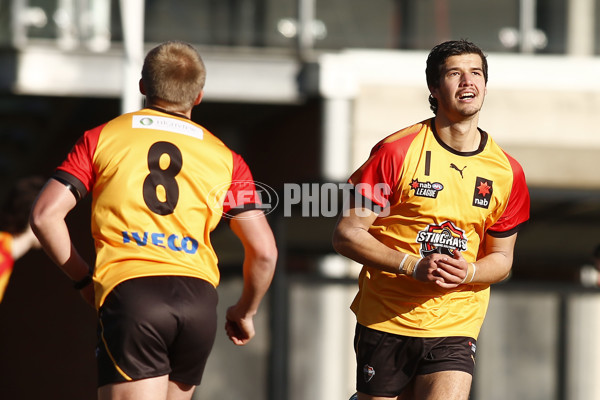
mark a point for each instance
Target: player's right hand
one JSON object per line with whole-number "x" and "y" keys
{"x": 89, "y": 295}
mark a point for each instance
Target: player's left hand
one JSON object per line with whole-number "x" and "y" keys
{"x": 239, "y": 327}
{"x": 451, "y": 270}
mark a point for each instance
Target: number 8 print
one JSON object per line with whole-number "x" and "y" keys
{"x": 162, "y": 203}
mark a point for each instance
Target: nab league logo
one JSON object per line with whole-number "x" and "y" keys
{"x": 483, "y": 192}
{"x": 443, "y": 238}
{"x": 426, "y": 189}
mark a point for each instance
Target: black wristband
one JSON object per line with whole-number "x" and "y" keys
{"x": 78, "y": 285}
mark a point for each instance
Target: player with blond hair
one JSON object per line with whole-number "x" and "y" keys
{"x": 151, "y": 174}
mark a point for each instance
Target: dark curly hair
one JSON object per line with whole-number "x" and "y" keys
{"x": 437, "y": 58}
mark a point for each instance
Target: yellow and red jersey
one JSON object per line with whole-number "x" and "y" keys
{"x": 6, "y": 261}
{"x": 160, "y": 185}
{"x": 434, "y": 199}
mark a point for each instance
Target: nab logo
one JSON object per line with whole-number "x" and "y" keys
{"x": 483, "y": 192}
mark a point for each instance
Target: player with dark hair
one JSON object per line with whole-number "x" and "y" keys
{"x": 449, "y": 204}
{"x": 437, "y": 57}
{"x": 16, "y": 236}
{"x": 154, "y": 176}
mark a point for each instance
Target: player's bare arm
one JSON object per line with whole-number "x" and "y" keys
{"x": 260, "y": 257}
{"x": 494, "y": 267}
{"x": 48, "y": 214}
{"x": 351, "y": 238}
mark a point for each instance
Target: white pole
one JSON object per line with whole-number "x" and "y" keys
{"x": 335, "y": 151}
{"x": 68, "y": 30}
{"x": 99, "y": 19}
{"x": 335, "y": 325}
{"x": 132, "y": 15}
{"x": 580, "y": 27}
{"x": 306, "y": 18}
{"x": 338, "y": 86}
{"x": 583, "y": 360}
{"x": 527, "y": 25}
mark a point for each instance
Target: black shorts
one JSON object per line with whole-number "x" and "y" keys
{"x": 386, "y": 363}
{"x": 154, "y": 326}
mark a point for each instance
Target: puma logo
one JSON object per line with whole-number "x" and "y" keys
{"x": 458, "y": 169}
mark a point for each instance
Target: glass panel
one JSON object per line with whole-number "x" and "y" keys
{"x": 5, "y": 23}
{"x": 219, "y": 22}
{"x": 42, "y": 19}
{"x": 189, "y": 21}
{"x": 357, "y": 23}
{"x": 276, "y": 13}
{"x": 420, "y": 24}
{"x": 552, "y": 20}
{"x": 394, "y": 24}
{"x": 414, "y": 24}
{"x": 482, "y": 21}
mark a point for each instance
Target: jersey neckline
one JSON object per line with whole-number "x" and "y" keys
{"x": 482, "y": 143}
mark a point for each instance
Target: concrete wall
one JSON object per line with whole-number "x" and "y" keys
{"x": 582, "y": 361}
{"x": 236, "y": 372}
{"x": 517, "y": 350}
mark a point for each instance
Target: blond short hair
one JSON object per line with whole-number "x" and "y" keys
{"x": 174, "y": 72}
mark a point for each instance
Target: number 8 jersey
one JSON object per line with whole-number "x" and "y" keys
{"x": 160, "y": 185}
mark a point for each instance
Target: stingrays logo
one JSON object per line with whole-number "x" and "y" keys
{"x": 443, "y": 238}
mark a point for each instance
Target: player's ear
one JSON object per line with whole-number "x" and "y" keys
{"x": 142, "y": 89}
{"x": 199, "y": 98}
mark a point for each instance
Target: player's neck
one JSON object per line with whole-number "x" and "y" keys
{"x": 463, "y": 135}
{"x": 167, "y": 107}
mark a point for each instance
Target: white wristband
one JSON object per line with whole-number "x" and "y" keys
{"x": 470, "y": 274}
{"x": 414, "y": 274}
{"x": 401, "y": 267}
{"x": 474, "y": 271}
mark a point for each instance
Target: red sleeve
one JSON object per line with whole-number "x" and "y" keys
{"x": 377, "y": 177}
{"x": 517, "y": 210}
{"x": 79, "y": 161}
{"x": 242, "y": 193}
